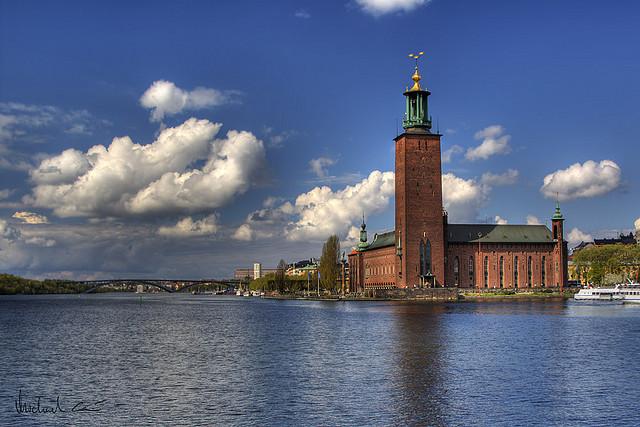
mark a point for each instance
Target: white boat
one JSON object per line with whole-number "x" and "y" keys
{"x": 630, "y": 292}
{"x": 238, "y": 293}
{"x": 246, "y": 294}
{"x": 598, "y": 294}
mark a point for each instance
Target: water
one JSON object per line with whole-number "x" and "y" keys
{"x": 196, "y": 360}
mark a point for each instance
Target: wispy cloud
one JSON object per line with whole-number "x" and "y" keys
{"x": 320, "y": 166}
{"x": 383, "y": 7}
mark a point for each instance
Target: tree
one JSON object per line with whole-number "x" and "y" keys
{"x": 597, "y": 263}
{"x": 330, "y": 263}
{"x": 280, "y": 275}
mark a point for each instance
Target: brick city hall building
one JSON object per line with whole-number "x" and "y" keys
{"x": 426, "y": 251}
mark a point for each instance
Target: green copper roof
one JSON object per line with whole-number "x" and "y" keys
{"x": 493, "y": 233}
{"x": 380, "y": 241}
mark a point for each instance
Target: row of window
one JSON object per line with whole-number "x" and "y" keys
{"x": 516, "y": 273}
{"x": 378, "y": 270}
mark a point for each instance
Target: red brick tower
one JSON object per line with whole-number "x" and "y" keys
{"x": 560, "y": 252}
{"x": 419, "y": 213}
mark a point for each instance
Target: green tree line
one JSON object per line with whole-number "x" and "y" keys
{"x": 12, "y": 285}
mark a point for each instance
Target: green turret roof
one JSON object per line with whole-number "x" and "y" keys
{"x": 557, "y": 214}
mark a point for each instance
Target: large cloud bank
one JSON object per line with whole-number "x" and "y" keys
{"x": 126, "y": 178}
{"x": 320, "y": 212}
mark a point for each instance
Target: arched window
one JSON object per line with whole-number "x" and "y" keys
{"x": 456, "y": 270}
{"x": 425, "y": 257}
{"x": 515, "y": 271}
{"x": 502, "y": 272}
{"x": 427, "y": 251}
{"x": 422, "y": 256}
{"x": 471, "y": 278}
{"x": 544, "y": 271}
{"x": 486, "y": 271}
{"x": 529, "y": 272}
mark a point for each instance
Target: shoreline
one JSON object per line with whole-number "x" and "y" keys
{"x": 461, "y": 298}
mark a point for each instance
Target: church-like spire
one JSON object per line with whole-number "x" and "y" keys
{"x": 557, "y": 214}
{"x": 363, "y": 234}
{"x": 417, "y": 112}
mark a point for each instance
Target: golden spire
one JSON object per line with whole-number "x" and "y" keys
{"x": 416, "y": 75}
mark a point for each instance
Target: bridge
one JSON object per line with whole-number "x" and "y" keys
{"x": 167, "y": 285}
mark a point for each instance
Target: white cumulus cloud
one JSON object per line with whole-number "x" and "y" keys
{"x": 126, "y": 178}
{"x": 533, "y": 220}
{"x": 636, "y": 224}
{"x": 382, "y": 7}
{"x": 463, "y": 198}
{"x": 164, "y": 98}
{"x": 30, "y": 217}
{"x": 589, "y": 179}
{"x": 320, "y": 212}
{"x": 576, "y": 236}
{"x": 499, "y": 220}
{"x": 187, "y": 227}
{"x": 494, "y": 141}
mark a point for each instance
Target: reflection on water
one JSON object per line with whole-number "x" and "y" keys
{"x": 420, "y": 396}
{"x": 182, "y": 359}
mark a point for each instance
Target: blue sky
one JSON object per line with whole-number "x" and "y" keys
{"x": 317, "y": 89}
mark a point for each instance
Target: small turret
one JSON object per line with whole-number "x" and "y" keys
{"x": 363, "y": 235}
{"x": 557, "y": 214}
{"x": 417, "y": 111}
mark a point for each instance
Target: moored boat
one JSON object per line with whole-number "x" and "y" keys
{"x": 630, "y": 292}
{"x": 598, "y": 294}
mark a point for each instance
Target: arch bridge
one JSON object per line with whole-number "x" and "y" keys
{"x": 171, "y": 286}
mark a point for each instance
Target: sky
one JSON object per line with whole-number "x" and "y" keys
{"x": 184, "y": 139}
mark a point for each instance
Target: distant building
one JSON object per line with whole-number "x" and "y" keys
{"x": 243, "y": 273}
{"x": 625, "y": 239}
{"x": 257, "y": 270}
{"x": 302, "y": 267}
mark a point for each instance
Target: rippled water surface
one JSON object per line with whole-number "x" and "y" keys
{"x": 194, "y": 360}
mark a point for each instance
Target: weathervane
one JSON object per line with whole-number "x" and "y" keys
{"x": 416, "y": 56}
{"x": 416, "y": 75}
